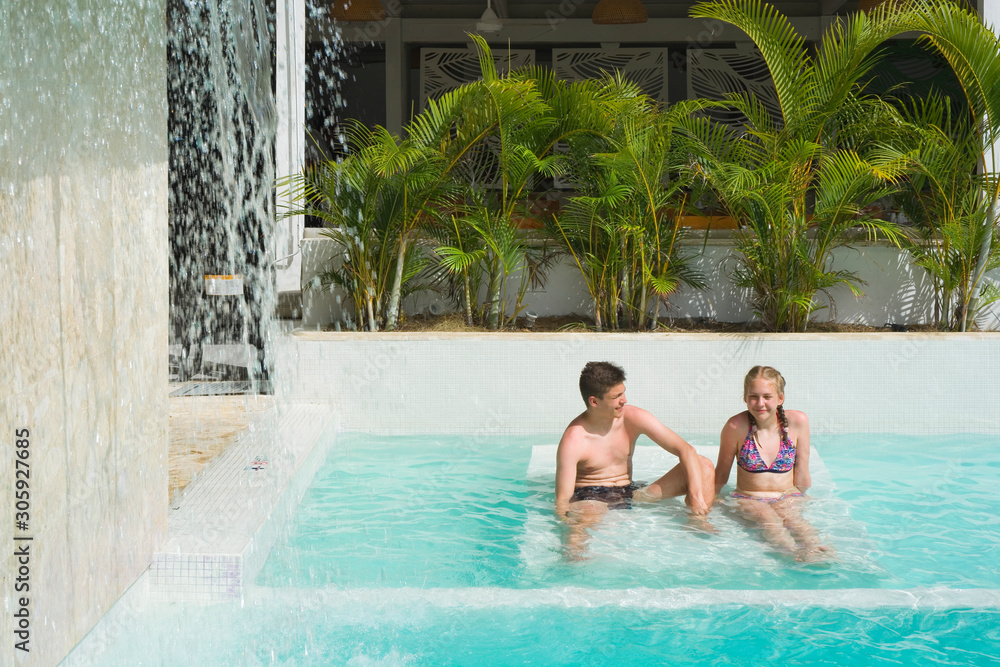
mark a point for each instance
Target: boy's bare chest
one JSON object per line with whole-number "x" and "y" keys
{"x": 609, "y": 452}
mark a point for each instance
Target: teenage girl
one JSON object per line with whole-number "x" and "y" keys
{"x": 771, "y": 448}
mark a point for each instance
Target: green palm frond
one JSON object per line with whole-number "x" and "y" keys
{"x": 782, "y": 48}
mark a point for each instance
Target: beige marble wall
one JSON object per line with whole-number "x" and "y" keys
{"x": 83, "y": 308}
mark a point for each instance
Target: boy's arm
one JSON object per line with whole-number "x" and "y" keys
{"x": 567, "y": 457}
{"x": 648, "y": 425}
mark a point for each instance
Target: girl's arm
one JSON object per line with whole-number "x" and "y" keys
{"x": 800, "y": 423}
{"x": 728, "y": 444}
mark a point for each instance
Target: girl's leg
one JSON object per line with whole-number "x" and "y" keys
{"x": 772, "y": 525}
{"x": 810, "y": 547}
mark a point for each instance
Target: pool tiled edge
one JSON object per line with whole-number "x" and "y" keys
{"x": 936, "y": 384}
{"x": 574, "y": 597}
{"x": 224, "y": 524}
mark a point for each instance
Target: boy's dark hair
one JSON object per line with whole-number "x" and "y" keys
{"x": 598, "y": 377}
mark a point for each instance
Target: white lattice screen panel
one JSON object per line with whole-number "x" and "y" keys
{"x": 716, "y": 73}
{"x": 442, "y": 70}
{"x": 647, "y": 68}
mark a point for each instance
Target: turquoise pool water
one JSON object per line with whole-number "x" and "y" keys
{"x": 315, "y": 633}
{"x": 427, "y": 512}
{"x": 443, "y": 551}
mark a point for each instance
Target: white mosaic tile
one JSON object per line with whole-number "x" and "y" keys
{"x": 393, "y": 384}
{"x": 224, "y": 523}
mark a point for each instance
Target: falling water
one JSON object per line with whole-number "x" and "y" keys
{"x": 221, "y": 133}
{"x": 222, "y": 124}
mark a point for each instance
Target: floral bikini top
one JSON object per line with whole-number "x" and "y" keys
{"x": 749, "y": 458}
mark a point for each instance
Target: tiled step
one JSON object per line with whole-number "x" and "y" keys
{"x": 223, "y": 525}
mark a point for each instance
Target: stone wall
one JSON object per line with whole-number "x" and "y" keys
{"x": 83, "y": 309}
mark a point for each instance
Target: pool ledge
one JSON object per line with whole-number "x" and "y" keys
{"x": 221, "y": 528}
{"x": 575, "y": 597}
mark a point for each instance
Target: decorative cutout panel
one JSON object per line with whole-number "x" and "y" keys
{"x": 442, "y": 70}
{"x": 647, "y": 68}
{"x": 716, "y": 73}
{"x": 908, "y": 69}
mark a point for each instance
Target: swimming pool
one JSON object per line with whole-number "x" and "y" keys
{"x": 443, "y": 550}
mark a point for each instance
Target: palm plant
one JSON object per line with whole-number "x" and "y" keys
{"x": 624, "y": 230}
{"x": 370, "y": 202}
{"x": 457, "y": 257}
{"x": 341, "y": 194}
{"x": 595, "y": 241}
{"x": 502, "y": 145}
{"x": 944, "y": 199}
{"x": 971, "y": 50}
{"x": 377, "y": 201}
{"x": 454, "y": 130}
{"x": 799, "y": 185}
{"x": 648, "y": 152}
{"x": 502, "y": 168}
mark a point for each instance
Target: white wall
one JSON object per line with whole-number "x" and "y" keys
{"x": 527, "y": 384}
{"x": 83, "y": 308}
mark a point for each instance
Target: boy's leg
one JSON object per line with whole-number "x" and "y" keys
{"x": 675, "y": 483}
{"x": 582, "y": 515}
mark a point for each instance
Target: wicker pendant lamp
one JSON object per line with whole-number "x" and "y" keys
{"x": 357, "y": 10}
{"x": 619, "y": 12}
